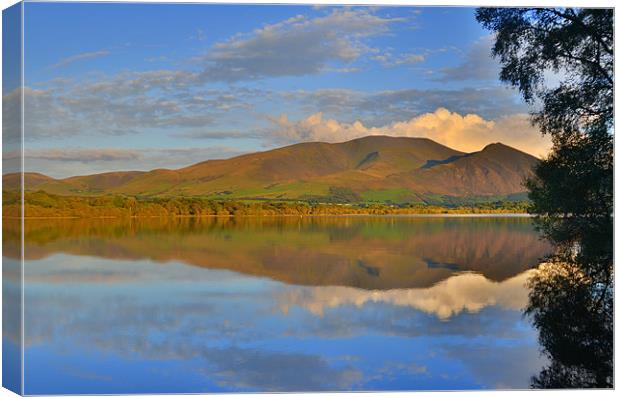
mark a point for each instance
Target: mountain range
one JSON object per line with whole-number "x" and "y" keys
{"x": 369, "y": 169}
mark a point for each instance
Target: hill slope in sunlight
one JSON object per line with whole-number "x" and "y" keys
{"x": 370, "y": 169}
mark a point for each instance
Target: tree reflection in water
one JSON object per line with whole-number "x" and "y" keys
{"x": 571, "y": 188}
{"x": 574, "y": 317}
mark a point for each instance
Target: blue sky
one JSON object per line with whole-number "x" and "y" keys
{"x": 142, "y": 86}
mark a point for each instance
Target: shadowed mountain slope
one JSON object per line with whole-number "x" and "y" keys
{"x": 495, "y": 170}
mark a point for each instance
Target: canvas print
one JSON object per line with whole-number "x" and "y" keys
{"x": 205, "y": 198}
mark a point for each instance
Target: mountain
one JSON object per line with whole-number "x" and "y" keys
{"x": 370, "y": 169}
{"x": 31, "y": 180}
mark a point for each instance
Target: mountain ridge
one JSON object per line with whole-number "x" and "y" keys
{"x": 370, "y": 169}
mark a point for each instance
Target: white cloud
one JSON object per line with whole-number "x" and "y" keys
{"x": 119, "y": 105}
{"x": 294, "y": 47}
{"x": 466, "y": 133}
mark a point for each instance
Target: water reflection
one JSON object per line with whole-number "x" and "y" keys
{"x": 574, "y": 317}
{"x": 363, "y": 252}
{"x": 463, "y": 292}
{"x": 278, "y": 305}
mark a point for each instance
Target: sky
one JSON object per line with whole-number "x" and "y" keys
{"x": 142, "y": 86}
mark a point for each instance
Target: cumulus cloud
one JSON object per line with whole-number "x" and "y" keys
{"x": 179, "y": 100}
{"x": 294, "y": 47}
{"x": 80, "y": 57}
{"x": 167, "y": 100}
{"x": 467, "y": 133}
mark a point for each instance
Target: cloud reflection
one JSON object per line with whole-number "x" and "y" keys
{"x": 463, "y": 292}
{"x": 228, "y": 330}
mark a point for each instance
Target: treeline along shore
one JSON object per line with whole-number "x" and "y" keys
{"x": 44, "y": 205}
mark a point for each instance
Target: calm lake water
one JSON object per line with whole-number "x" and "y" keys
{"x": 277, "y": 304}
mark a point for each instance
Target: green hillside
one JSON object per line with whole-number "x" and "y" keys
{"x": 377, "y": 169}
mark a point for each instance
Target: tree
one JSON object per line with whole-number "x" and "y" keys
{"x": 572, "y": 188}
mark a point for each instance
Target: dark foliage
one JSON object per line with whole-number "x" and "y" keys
{"x": 574, "y": 317}
{"x": 578, "y": 43}
{"x": 572, "y": 189}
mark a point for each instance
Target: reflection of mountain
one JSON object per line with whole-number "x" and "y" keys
{"x": 361, "y": 252}
{"x": 375, "y": 168}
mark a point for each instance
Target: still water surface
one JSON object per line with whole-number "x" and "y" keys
{"x": 278, "y": 304}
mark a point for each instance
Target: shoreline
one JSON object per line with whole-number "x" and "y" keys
{"x": 420, "y": 215}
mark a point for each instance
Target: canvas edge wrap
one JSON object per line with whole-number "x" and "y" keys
{"x": 12, "y": 160}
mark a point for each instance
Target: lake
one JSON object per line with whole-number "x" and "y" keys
{"x": 276, "y": 304}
